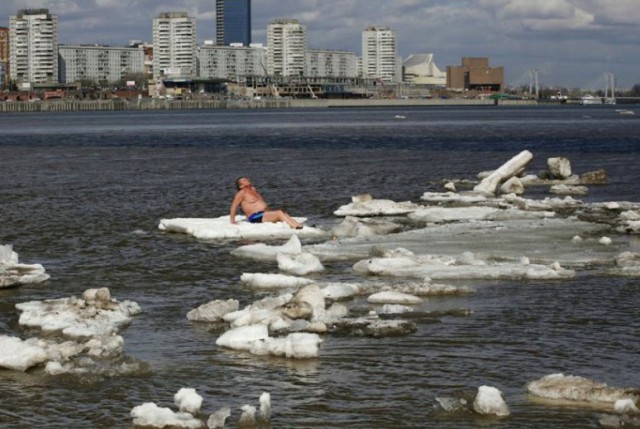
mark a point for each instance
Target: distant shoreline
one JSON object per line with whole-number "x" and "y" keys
{"x": 269, "y": 103}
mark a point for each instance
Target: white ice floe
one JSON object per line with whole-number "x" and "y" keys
{"x": 265, "y": 406}
{"x": 150, "y": 415}
{"x": 627, "y": 264}
{"x": 21, "y": 355}
{"x": 546, "y": 204}
{"x": 466, "y": 267}
{"x": 513, "y": 167}
{"x": 451, "y": 214}
{"x": 569, "y": 190}
{"x": 390, "y": 297}
{"x": 13, "y": 273}
{"x": 244, "y": 337}
{"x": 90, "y": 325}
{"x": 265, "y": 252}
{"x": 366, "y": 205}
{"x": 338, "y": 291}
{"x": 256, "y": 340}
{"x": 299, "y": 265}
{"x": 273, "y": 281}
{"x": 462, "y": 198}
{"x": 363, "y": 227}
{"x": 213, "y": 311}
{"x": 574, "y": 388}
{"x": 188, "y": 400}
{"x": 221, "y": 228}
{"x": 78, "y": 318}
{"x": 217, "y": 420}
{"x": 248, "y": 416}
{"x": 489, "y": 401}
{"x": 625, "y": 406}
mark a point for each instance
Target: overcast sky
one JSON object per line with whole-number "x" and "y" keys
{"x": 570, "y": 42}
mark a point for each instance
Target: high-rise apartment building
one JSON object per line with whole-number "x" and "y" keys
{"x": 33, "y": 46}
{"x": 4, "y": 55}
{"x": 286, "y": 47}
{"x": 100, "y": 64}
{"x": 174, "y": 45}
{"x": 323, "y": 63}
{"x": 236, "y": 63}
{"x": 379, "y": 54}
{"x": 233, "y": 22}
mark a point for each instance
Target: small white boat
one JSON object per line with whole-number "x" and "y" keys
{"x": 590, "y": 99}
{"x": 400, "y": 117}
{"x": 625, "y": 112}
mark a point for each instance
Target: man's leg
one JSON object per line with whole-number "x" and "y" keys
{"x": 281, "y": 216}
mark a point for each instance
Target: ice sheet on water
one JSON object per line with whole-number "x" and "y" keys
{"x": 581, "y": 390}
{"x": 273, "y": 281}
{"x": 221, "y": 228}
{"x": 13, "y": 273}
{"x": 366, "y": 205}
{"x": 543, "y": 241}
{"x": 265, "y": 252}
{"x": 451, "y": 214}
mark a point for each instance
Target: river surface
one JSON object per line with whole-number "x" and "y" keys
{"x": 83, "y": 193}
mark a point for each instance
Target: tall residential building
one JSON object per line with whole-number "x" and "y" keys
{"x": 379, "y": 54}
{"x": 233, "y": 22}
{"x": 99, "y": 63}
{"x": 4, "y": 55}
{"x": 33, "y": 46}
{"x": 331, "y": 64}
{"x": 174, "y": 45}
{"x": 235, "y": 63}
{"x": 286, "y": 47}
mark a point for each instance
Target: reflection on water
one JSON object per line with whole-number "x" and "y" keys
{"x": 83, "y": 195}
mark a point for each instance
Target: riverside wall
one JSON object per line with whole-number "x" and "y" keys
{"x": 269, "y": 103}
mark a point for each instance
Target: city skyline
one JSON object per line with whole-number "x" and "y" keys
{"x": 570, "y": 42}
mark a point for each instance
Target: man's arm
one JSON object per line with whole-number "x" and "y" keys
{"x": 234, "y": 205}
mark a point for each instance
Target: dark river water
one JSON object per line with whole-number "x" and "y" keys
{"x": 83, "y": 193}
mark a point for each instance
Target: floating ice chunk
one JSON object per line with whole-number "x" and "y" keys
{"x": 188, "y": 401}
{"x": 307, "y": 303}
{"x": 569, "y": 190}
{"x": 489, "y": 401}
{"x": 366, "y": 205}
{"x": 389, "y": 297}
{"x": 221, "y": 228}
{"x": 243, "y": 338}
{"x": 265, "y": 406}
{"x": 512, "y": 186}
{"x": 337, "y": 291}
{"x": 580, "y": 389}
{"x": 364, "y": 227}
{"x": 454, "y": 214}
{"x": 517, "y": 164}
{"x": 440, "y": 268}
{"x": 605, "y": 241}
{"x": 395, "y": 309}
{"x": 300, "y": 265}
{"x": 150, "y": 415}
{"x": 459, "y": 198}
{"x": 273, "y": 281}
{"x": 13, "y": 273}
{"x": 625, "y": 406}
{"x": 248, "y": 417}
{"x": 78, "y": 318}
{"x": 213, "y": 311}
{"x": 547, "y": 204}
{"x": 451, "y": 404}
{"x": 577, "y": 239}
{"x": 21, "y": 355}
{"x": 372, "y": 326}
{"x": 264, "y": 252}
{"x": 299, "y": 345}
{"x": 218, "y": 419}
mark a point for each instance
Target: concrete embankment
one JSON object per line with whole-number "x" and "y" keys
{"x": 155, "y": 104}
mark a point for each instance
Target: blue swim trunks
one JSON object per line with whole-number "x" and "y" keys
{"x": 255, "y": 217}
